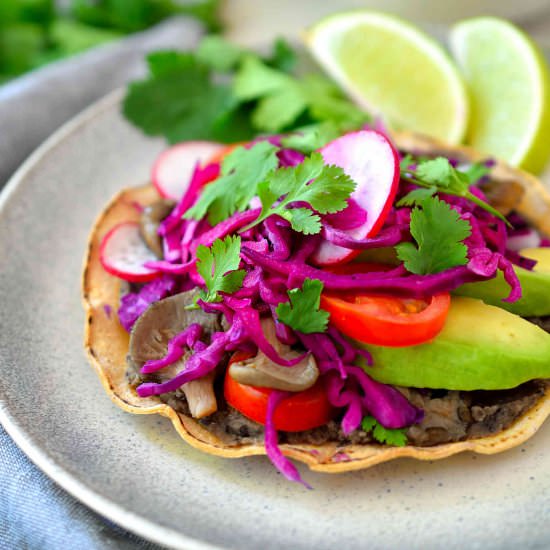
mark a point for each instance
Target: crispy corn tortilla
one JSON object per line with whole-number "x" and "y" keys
{"x": 106, "y": 342}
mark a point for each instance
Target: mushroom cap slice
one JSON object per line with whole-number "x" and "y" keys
{"x": 263, "y": 372}
{"x": 161, "y": 321}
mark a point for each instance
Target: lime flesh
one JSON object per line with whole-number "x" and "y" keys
{"x": 509, "y": 87}
{"x": 391, "y": 68}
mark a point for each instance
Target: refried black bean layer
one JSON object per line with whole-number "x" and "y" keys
{"x": 449, "y": 416}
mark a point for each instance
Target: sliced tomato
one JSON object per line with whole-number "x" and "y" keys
{"x": 387, "y": 320}
{"x": 300, "y": 411}
{"x": 384, "y": 320}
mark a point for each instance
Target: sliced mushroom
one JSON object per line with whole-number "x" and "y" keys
{"x": 149, "y": 340}
{"x": 261, "y": 371}
{"x": 149, "y": 223}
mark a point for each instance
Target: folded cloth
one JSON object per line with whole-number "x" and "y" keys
{"x": 35, "y": 513}
{"x": 33, "y": 106}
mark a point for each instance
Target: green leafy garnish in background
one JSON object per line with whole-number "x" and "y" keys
{"x": 395, "y": 437}
{"x": 35, "y": 32}
{"x": 255, "y": 95}
{"x": 219, "y": 268}
{"x": 439, "y": 233}
{"x": 302, "y": 313}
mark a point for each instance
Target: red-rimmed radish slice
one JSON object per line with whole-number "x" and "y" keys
{"x": 123, "y": 253}
{"x": 373, "y": 162}
{"x": 174, "y": 167}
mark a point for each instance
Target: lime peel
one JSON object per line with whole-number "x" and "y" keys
{"x": 509, "y": 82}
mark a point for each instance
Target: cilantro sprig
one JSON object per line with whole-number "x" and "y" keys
{"x": 219, "y": 268}
{"x": 395, "y": 437}
{"x": 324, "y": 188}
{"x": 227, "y": 93}
{"x": 302, "y": 312}
{"x": 438, "y": 231}
{"x": 439, "y": 176}
{"x": 241, "y": 172}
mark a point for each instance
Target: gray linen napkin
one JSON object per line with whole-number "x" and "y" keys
{"x": 34, "y": 512}
{"x": 33, "y": 106}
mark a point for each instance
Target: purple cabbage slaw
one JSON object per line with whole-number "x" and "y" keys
{"x": 276, "y": 259}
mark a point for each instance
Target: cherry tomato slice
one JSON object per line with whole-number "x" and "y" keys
{"x": 386, "y": 320}
{"x": 300, "y": 411}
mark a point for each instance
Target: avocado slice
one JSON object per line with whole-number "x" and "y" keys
{"x": 481, "y": 347}
{"x": 535, "y": 287}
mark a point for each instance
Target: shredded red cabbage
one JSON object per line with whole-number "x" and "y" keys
{"x": 176, "y": 348}
{"x": 133, "y": 304}
{"x": 278, "y": 459}
{"x": 351, "y": 218}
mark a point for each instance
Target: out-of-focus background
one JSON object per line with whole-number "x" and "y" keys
{"x": 36, "y": 32}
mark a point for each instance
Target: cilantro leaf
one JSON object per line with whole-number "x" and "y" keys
{"x": 395, "y": 437}
{"x": 303, "y": 220}
{"x": 406, "y": 162}
{"x": 218, "y": 266}
{"x": 476, "y": 172}
{"x": 302, "y": 313}
{"x": 283, "y": 56}
{"x": 282, "y": 99}
{"x": 179, "y": 100}
{"x": 368, "y": 423}
{"x": 241, "y": 172}
{"x": 219, "y": 54}
{"x": 439, "y": 173}
{"x": 312, "y": 137}
{"x": 416, "y": 196}
{"x": 325, "y": 188}
{"x": 439, "y": 232}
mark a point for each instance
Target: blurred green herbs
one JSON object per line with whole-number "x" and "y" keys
{"x": 222, "y": 92}
{"x": 35, "y": 32}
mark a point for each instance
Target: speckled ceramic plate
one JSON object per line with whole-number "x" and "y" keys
{"x": 135, "y": 469}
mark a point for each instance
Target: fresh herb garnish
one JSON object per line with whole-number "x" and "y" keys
{"x": 180, "y": 101}
{"x": 36, "y": 32}
{"x": 281, "y": 99}
{"x": 241, "y": 172}
{"x": 219, "y": 268}
{"x": 324, "y": 188}
{"x": 226, "y": 93}
{"x": 395, "y": 437}
{"x": 438, "y": 231}
{"x": 439, "y": 176}
{"x": 313, "y": 137}
{"x": 302, "y": 313}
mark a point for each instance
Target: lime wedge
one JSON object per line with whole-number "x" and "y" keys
{"x": 393, "y": 69}
{"x": 510, "y": 91}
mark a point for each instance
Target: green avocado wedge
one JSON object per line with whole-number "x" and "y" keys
{"x": 481, "y": 347}
{"x": 535, "y": 287}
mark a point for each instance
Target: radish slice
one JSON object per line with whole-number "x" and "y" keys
{"x": 123, "y": 253}
{"x": 174, "y": 167}
{"x": 530, "y": 239}
{"x": 372, "y": 161}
